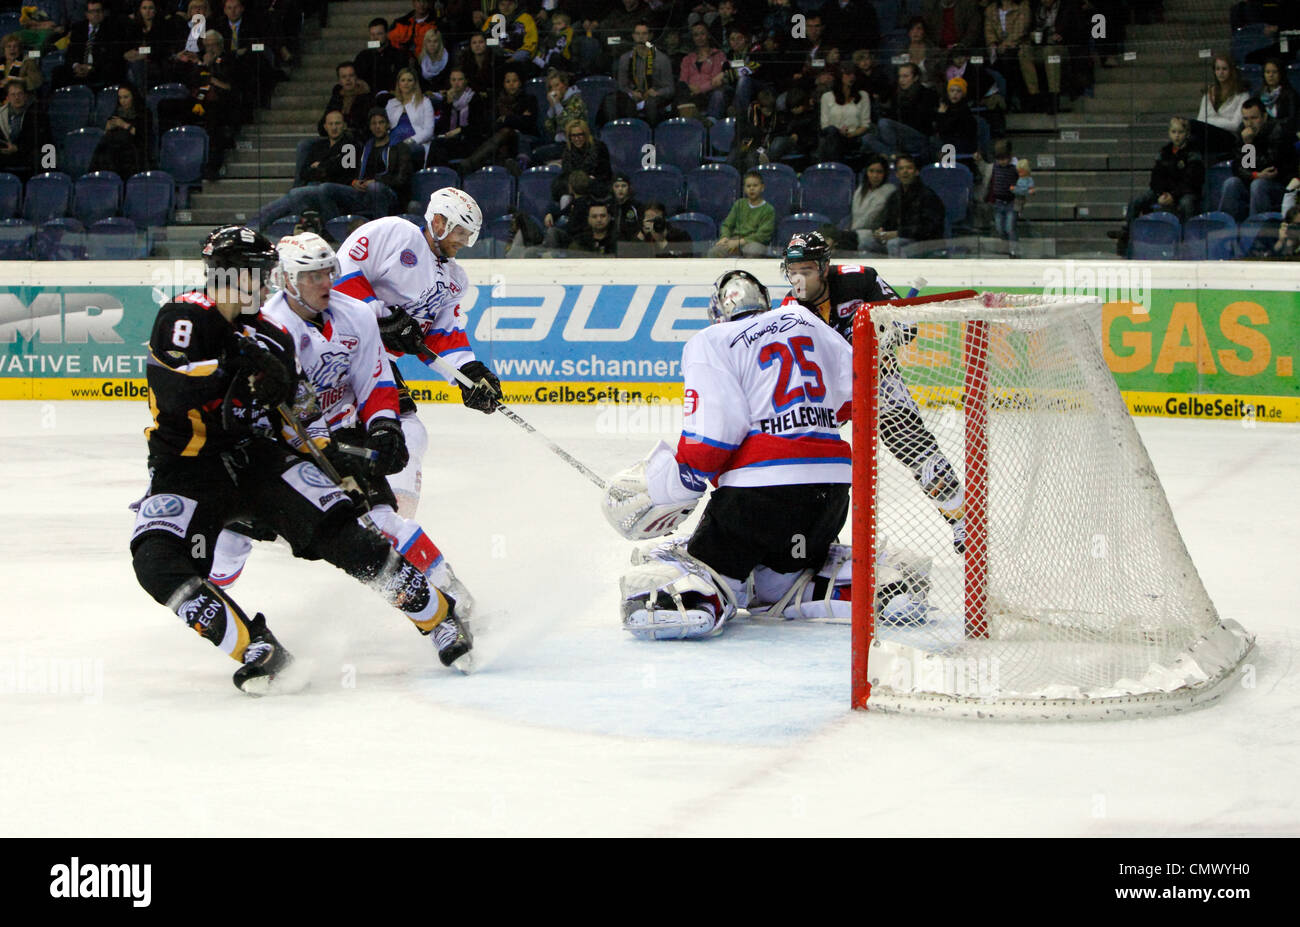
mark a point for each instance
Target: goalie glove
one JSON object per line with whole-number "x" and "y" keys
{"x": 629, "y": 507}
{"x": 400, "y": 333}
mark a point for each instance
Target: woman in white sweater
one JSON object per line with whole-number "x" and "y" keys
{"x": 411, "y": 114}
{"x": 870, "y": 201}
{"x": 845, "y": 117}
{"x": 1221, "y": 104}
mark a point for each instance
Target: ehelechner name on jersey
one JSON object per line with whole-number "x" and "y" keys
{"x": 783, "y": 323}
{"x": 795, "y": 419}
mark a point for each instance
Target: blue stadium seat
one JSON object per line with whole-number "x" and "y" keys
{"x": 1293, "y": 76}
{"x": 149, "y": 198}
{"x": 69, "y": 109}
{"x": 425, "y": 181}
{"x": 827, "y": 188}
{"x": 10, "y": 21}
{"x": 713, "y": 189}
{"x": 702, "y": 229}
{"x": 49, "y": 196}
{"x": 61, "y": 240}
{"x": 77, "y": 150}
{"x": 182, "y": 153}
{"x": 537, "y": 87}
{"x": 280, "y": 227}
{"x": 664, "y": 183}
{"x": 594, "y": 88}
{"x": 105, "y": 104}
{"x": 116, "y": 239}
{"x": 626, "y": 139}
{"x": 492, "y": 188}
{"x": 498, "y": 228}
{"x": 11, "y": 196}
{"x": 889, "y": 14}
{"x": 16, "y": 237}
{"x": 1211, "y": 236}
{"x": 1257, "y": 233}
{"x": 953, "y": 185}
{"x": 160, "y": 92}
{"x": 1248, "y": 39}
{"x": 340, "y": 227}
{"x": 51, "y": 60}
{"x": 721, "y": 137}
{"x": 1155, "y": 237}
{"x": 1216, "y": 175}
{"x": 797, "y": 223}
{"x": 535, "y": 189}
{"x": 679, "y": 142}
{"x": 96, "y": 196}
{"x": 781, "y": 187}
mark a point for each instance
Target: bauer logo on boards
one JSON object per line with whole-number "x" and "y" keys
{"x": 88, "y": 880}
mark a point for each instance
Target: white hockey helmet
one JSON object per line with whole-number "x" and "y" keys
{"x": 737, "y": 293}
{"x": 457, "y": 208}
{"x": 302, "y": 252}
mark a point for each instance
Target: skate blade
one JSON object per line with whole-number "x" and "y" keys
{"x": 465, "y": 664}
{"x": 290, "y": 681}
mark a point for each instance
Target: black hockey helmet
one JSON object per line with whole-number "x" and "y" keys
{"x": 239, "y": 247}
{"x": 807, "y": 246}
{"x": 737, "y": 293}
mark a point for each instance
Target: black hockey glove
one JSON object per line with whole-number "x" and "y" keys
{"x": 386, "y": 439}
{"x": 400, "y": 333}
{"x": 485, "y": 392}
{"x": 349, "y": 465}
{"x": 272, "y": 381}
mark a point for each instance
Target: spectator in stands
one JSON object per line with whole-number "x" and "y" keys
{"x": 377, "y": 66}
{"x": 915, "y": 214}
{"x": 410, "y": 115}
{"x": 598, "y": 238}
{"x": 955, "y": 126}
{"x": 981, "y": 88}
{"x": 922, "y": 52}
{"x": 407, "y": 33}
{"x": 755, "y": 132}
{"x": 582, "y": 152}
{"x": 625, "y": 212}
{"x": 434, "y": 64}
{"x": 1057, "y": 31}
{"x": 813, "y": 52}
{"x": 468, "y": 124}
{"x": 747, "y": 230}
{"x": 17, "y": 66}
{"x": 797, "y": 130}
{"x": 516, "y": 115}
{"x": 1279, "y": 17}
{"x": 1279, "y": 99}
{"x": 382, "y": 180}
{"x": 23, "y": 131}
{"x": 146, "y": 30}
{"x": 621, "y": 19}
{"x": 906, "y": 124}
{"x": 700, "y": 77}
{"x": 520, "y": 38}
{"x": 214, "y": 101}
{"x": 658, "y": 237}
{"x": 1287, "y": 245}
{"x": 954, "y": 22}
{"x": 351, "y": 97}
{"x": 1176, "y": 182}
{"x": 94, "y": 53}
{"x": 1006, "y": 33}
{"x": 1110, "y": 45}
{"x": 331, "y": 159}
{"x": 845, "y": 117}
{"x": 124, "y": 149}
{"x": 1219, "y": 119}
{"x": 40, "y": 30}
{"x": 187, "y": 28}
{"x": 567, "y": 217}
{"x": 564, "y": 104}
{"x": 1002, "y": 191}
{"x": 242, "y": 29}
{"x": 645, "y": 79}
{"x": 743, "y": 69}
{"x": 851, "y": 24}
{"x": 479, "y": 62}
{"x": 1272, "y": 157}
{"x": 870, "y": 200}
{"x": 556, "y": 49}
{"x": 874, "y": 78}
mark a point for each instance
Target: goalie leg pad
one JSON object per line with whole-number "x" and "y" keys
{"x": 676, "y": 597}
{"x": 821, "y": 593}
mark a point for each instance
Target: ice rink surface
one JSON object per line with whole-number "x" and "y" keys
{"x": 570, "y": 727}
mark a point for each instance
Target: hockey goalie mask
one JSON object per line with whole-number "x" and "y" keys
{"x": 305, "y": 253}
{"x": 456, "y": 208}
{"x": 737, "y": 293}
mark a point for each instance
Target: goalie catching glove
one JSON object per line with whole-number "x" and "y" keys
{"x": 485, "y": 394}
{"x": 630, "y": 506}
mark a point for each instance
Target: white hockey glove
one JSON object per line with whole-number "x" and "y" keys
{"x": 629, "y": 508}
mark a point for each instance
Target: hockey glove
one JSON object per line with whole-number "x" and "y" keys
{"x": 272, "y": 383}
{"x": 385, "y": 438}
{"x": 400, "y": 333}
{"x": 349, "y": 466}
{"x": 486, "y": 391}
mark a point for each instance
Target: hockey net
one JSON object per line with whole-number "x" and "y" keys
{"x": 1074, "y": 595}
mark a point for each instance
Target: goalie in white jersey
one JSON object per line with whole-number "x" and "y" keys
{"x": 409, "y": 277}
{"x": 765, "y": 393}
{"x": 338, "y": 345}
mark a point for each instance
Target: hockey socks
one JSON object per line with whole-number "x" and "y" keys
{"x": 215, "y": 617}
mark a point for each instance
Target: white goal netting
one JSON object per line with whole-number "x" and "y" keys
{"x": 1009, "y": 474}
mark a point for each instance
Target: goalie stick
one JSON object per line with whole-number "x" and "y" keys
{"x": 447, "y": 369}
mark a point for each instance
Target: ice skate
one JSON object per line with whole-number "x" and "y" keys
{"x": 269, "y": 669}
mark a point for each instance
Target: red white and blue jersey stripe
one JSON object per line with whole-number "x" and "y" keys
{"x": 765, "y": 396}
{"x": 387, "y": 262}
{"x": 343, "y": 359}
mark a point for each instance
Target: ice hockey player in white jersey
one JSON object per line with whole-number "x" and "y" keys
{"x": 410, "y": 279}
{"x": 766, "y": 391}
{"x": 337, "y": 343}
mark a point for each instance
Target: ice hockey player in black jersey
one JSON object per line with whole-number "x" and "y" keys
{"x": 836, "y": 292}
{"x": 219, "y": 452}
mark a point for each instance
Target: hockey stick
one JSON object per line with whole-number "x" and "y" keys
{"x": 448, "y": 370}
{"x": 347, "y": 484}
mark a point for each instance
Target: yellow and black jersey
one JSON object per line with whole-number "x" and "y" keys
{"x": 848, "y": 286}
{"x": 190, "y": 378}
